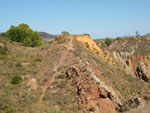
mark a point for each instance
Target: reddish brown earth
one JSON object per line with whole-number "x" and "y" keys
{"x": 61, "y": 60}
{"x": 91, "y": 95}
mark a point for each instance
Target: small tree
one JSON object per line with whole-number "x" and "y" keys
{"x": 137, "y": 33}
{"x": 22, "y": 33}
{"x": 86, "y": 34}
{"x": 108, "y": 41}
{"x": 65, "y": 33}
{"x": 118, "y": 38}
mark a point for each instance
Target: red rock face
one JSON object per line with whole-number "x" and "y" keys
{"x": 138, "y": 51}
{"x": 92, "y": 97}
{"x": 132, "y": 63}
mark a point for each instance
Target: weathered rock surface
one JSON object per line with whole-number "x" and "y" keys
{"x": 137, "y": 66}
{"x": 141, "y": 72}
{"x": 32, "y": 83}
{"x": 93, "y": 93}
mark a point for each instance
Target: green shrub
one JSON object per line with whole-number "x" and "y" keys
{"x": 38, "y": 60}
{"x": 16, "y": 80}
{"x": 108, "y": 41}
{"x": 102, "y": 45}
{"x": 87, "y": 44}
{"x": 10, "y": 111}
{"x": 65, "y": 33}
{"x": 22, "y": 33}
{"x": 2, "y": 34}
{"x": 3, "y": 50}
{"x": 118, "y": 38}
{"x": 86, "y": 34}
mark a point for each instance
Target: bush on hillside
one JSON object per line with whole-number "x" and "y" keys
{"x": 86, "y": 34}
{"x": 108, "y": 41}
{"x": 118, "y": 38}
{"x": 65, "y": 33}
{"x": 22, "y": 33}
{"x": 16, "y": 80}
{"x": 3, "y": 50}
{"x": 38, "y": 60}
{"x": 2, "y": 34}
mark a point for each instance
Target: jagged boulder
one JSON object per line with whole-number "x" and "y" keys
{"x": 141, "y": 72}
{"x": 91, "y": 90}
{"x": 72, "y": 71}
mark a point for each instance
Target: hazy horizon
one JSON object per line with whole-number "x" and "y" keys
{"x": 99, "y": 18}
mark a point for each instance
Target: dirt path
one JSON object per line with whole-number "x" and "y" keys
{"x": 51, "y": 80}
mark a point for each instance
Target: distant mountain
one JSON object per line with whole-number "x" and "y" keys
{"x": 47, "y": 37}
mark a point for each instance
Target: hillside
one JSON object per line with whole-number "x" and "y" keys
{"x": 133, "y": 45}
{"x": 133, "y": 55}
{"x": 70, "y": 75}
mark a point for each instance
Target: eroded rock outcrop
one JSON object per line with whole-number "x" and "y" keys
{"x": 94, "y": 94}
{"x": 133, "y": 55}
{"x": 137, "y": 66}
{"x": 85, "y": 39}
{"x": 141, "y": 72}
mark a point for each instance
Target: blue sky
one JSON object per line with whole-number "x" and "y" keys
{"x": 100, "y": 18}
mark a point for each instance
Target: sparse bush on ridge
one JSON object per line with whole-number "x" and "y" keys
{"x": 2, "y": 34}
{"x": 38, "y": 60}
{"x": 108, "y": 41}
{"x": 16, "y": 80}
{"x": 118, "y": 38}
{"x": 22, "y": 33}
{"x": 65, "y": 33}
{"x": 3, "y": 50}
{"x": 86, "y": 34}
